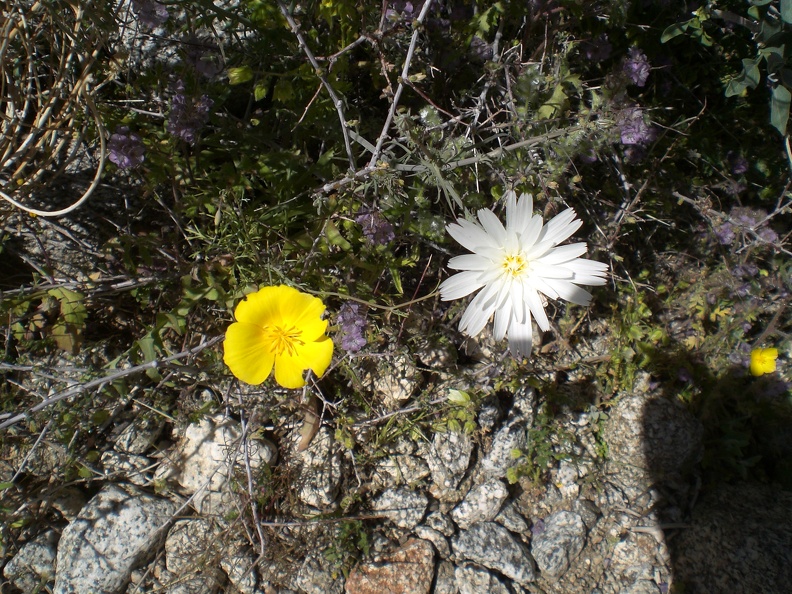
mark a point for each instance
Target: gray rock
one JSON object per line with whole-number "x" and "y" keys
{"x": 481, "y": 504}
{"x": 492, "y": 546}
{"x": 396, "y": 383}
{"x": 441, "y": 522}
{"x": 403, "y": 507}
{"x": 68, "y": 501}
{"x": 140, "y": 435}
{"x": 474, "y": 580}
{"x": 192, "y": 552}
{"x": 437, "y": 539}
{"x": 129, "y": 467}
{"x": 445, "y": 581}
{"x": 642, "y": 587}
{"x": 34, "y": 565}
{"x": 205, "y": 459}
{"x": 320, "y": 470}
{"x": 559, "y": 544}
{"x": 511, "y": 519}
{"x": 449, "y": 458}
{"x": 739, "y": 541}
{"x": 314, "y": 577}
{"x": 117, "y": 529}
{"x": 400, "y": 469}
{"x": 237, "y": 566}
{"x": 654, "y": 434}
{"x": 511, "y": 436}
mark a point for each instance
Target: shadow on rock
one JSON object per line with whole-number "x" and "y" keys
{"x": 726, "y": 489}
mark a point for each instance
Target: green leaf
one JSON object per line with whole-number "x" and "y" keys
{"x": 748, "y": 78}
{"x": 786, "y": 11}
{"x": 554, "y": 106}
{"x": 6, "y": 485}
{"x": 237, "y": 76}
{"x": 779, "y": 108}
{"x": 677, "y": 29}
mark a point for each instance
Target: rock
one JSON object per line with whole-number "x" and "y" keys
{"x": 140, "y": 435}
{"x": 407, "y": 570}
{"x": 511, "y": 436}
{"x": 642, "y": 587}
{"x": 448, "y": 458}
{"x": 559, "y": 544}
{"x": 114, "y": 532}
{"x": 511, "y": 519}
{"x": 492, "y": 546}
{"x": 397, "y": 381}
{"x": 400, "y": 469}
{"x": 237, "y": 566}
{"x": 654, "y": 434}
{"x": 566, "y": 480}
{"x": 445, "y": 580}
{"x": 127, "y": 467}
{"x": 441, "y": 522}
{"x": 481, "y": 504}
{"x": 474, "y": 580}
{"x": 193, "y": 552}
{"x": 403, "y": 507}
{"x": 436, "y": 537}
{"x": 315, "y": 578}
{"x": 205, "y": 459}
{"x": 320, "y": 470}
{"x": 34, "y": 564}
{"x": 739, "y": 541}
{"x": 68, "y": 501}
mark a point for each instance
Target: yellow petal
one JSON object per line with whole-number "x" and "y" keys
{"x": 763, "y": 361}
{"x": 264, "y": 307}
{"x": 247, "y": 355}
{"x": 305, "y": 313}
{"x": 317, "y": 355}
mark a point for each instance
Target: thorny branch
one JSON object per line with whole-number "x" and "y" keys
{"x": 337, "y": 102}
{"x": 99, "y": 382}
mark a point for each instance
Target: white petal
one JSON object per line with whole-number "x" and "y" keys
{"x": 534, "y": 302}
{"x": 492, "y": 226}
{"x": 588, "y": 272}
{"x": 470, "y": 236}
{"x": 524, "y": 209}
{"x": 564, "y": 253}
{"x": 470, "y": 262}
{"x": 531, "y": 231}
{"x": 478, "y": 313}
{"x": 521, "y": 339}
{"x": 561, "y": 227}
{"x": 570, "y": 291}
{"x": 539, "y": 268}
{"x": 503, "y": 316}
{"x": 539, "y": 249}
{"x": 511, "y": 208}
{"x": 518, "y": 303}
{"x": 541, "y": 285}
{"x": 459, "y": 285}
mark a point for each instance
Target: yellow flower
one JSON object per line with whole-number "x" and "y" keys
{"x": 763, "y": 361}
{"x": 278, "y": 327}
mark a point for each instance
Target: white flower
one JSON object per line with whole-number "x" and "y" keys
{"x": 517, "y": 268}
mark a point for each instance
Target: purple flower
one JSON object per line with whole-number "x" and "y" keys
{"x": 633, "y": 129}
{"x": 353, "y": 324}
{"x": 598, "y": 49}
{"x": 737, "y": 162}
{"x": 376, "y": 229}
{"x": 636, "y": 67}
{"x": 188, "y": 114}
{"x": 150, "y": 13}
{"x": 725, "y": 233}
{"x": 125, "y": 149}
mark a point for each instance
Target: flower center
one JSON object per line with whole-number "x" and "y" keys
{"x": 514, "y": 265}
{"x": 283, "y": 340}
